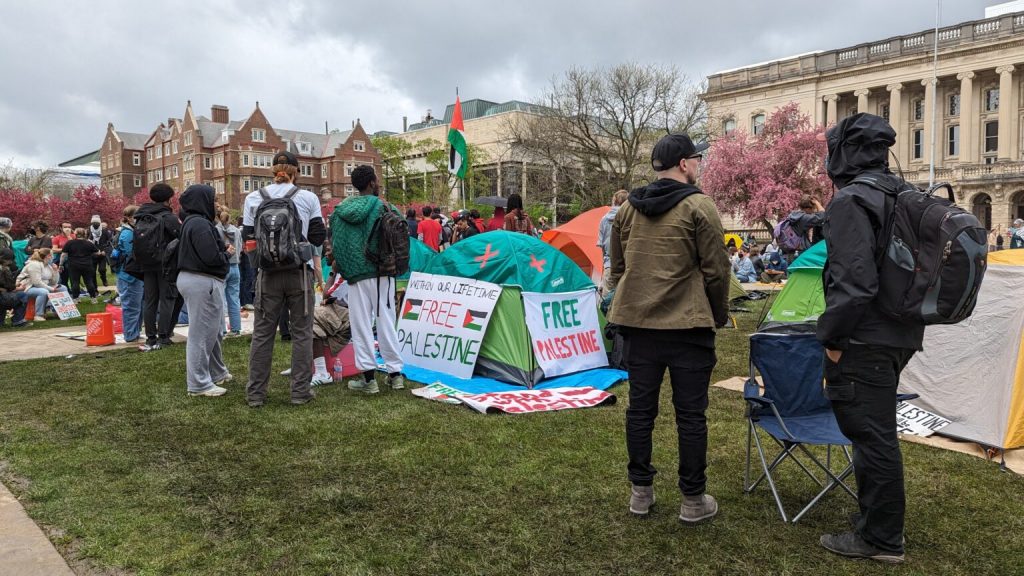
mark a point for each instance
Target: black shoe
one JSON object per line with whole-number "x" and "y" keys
{"x": 853, "y": 546}
{"x": 301, "y": 401}
{"x": 165, "y": 342}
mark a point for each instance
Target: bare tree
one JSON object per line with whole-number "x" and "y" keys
{"x": 598, "y": 126}
{"x": 33, "y": 180}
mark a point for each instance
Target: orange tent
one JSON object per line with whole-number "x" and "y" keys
{"x": 577, "y": 239}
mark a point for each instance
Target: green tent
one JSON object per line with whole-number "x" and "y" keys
{"x": 802, "y": 298}
{"x": 420, "y": 257}
{"x": 518, "y": 263}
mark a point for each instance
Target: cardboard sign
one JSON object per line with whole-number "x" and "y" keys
{"x": 519, "y": 402}
{"x": 565, "y": 331}
{"x": 64, "y": 305}
{"x": 916, "y": 421}
{"x": 443, "y": 321}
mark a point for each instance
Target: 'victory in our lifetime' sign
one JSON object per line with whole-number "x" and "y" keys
{"x": 443, "y": 321}
{"x": 565, "y": 331}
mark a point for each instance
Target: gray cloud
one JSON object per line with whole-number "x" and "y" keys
{"x": 71, "y": 67}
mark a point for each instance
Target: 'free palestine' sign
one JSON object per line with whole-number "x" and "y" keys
{"x": 443, "y": 321}
{"x": 565, "y": 331}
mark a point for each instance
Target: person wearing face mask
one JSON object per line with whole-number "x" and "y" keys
{"x": 79, "y": 258}
{"x": 67, "y": 233}
{"x": 101, "y": 238}
{"x": 38, "y": 280}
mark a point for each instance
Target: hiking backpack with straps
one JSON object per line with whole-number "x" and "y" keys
{"x": 390, "y": 253}
{"x": 149, "y": 242}
{"x": 787, "y": 237}
{"x": 933, "y": 256}
{"x": 280, "y": 244}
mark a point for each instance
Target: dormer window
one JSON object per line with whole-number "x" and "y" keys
{"x": 259, "y": 135}
{"x": 304, "y": 147}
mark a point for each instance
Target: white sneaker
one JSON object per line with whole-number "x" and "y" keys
{"x": 321, "y": 379}
{"x": 229, "y": 378}
{"x": 212, "y": 392}
{"x": 40, "y": 319}
{"x": 287, "y": 372}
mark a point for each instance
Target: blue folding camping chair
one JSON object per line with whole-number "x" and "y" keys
{"x": 793, "y": 411}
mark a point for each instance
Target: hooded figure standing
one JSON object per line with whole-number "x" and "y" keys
{"x": 866, "y": 350}
{"x": 202, "y": 267}
{"x": 672, "y": 273}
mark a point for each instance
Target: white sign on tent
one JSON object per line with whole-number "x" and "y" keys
{"x": 443, "y": 322}
{"x": 565, "y": 331}
{"x": 917, "y": 421}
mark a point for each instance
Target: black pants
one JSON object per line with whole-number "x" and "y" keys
{"x": 76, "y": 273}
{"x": 648, "y": 353}
{"x": 862, "y": 388}
{"x": 160, "y": 301}
{"x": 99, "y": 265}
{"x": 283, "y": 324}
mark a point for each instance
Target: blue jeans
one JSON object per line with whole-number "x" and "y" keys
{"x": 41, "y": 296}
{"x": 232, "y": 285}
{"x": 746, "y": 277}
{"x": 130, "y": 293}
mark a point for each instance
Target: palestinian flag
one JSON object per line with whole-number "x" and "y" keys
{"x": 457, "y": 141}
{"x": 410, "y": 305}
{"x": 471, "y": 317}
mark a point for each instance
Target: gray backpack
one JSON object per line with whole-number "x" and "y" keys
{"x": 280, "y": 244}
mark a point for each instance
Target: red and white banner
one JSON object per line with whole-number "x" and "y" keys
{"x": 565, "y": 331}
{"x": 519, "y": 401}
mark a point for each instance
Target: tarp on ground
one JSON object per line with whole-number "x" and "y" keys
{"x": 577, "y": 239}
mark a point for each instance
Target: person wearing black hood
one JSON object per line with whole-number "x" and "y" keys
{"x": 671, "y": 275}
{"x": 865, "y": 349}
{"x": 161, "y": 301}
{"x": 202, "y": 268}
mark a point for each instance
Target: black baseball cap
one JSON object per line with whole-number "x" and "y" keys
{"x": 672, "y": 148}
{"x": 285, "y": 157}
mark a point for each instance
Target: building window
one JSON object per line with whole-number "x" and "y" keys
{"x": 174, "y": 171}
{"x": 349, "y": 190}
{"x": 918, "y": 109}
{"x": 188, "y": 138}
{"x": 137, "y": 181}
{"x": 159, "y": 175}
{"x": 207, "y": 162}
{"x": 918, "y": 144}
{"x": 167, "y": 149}
{"x": 245, "y": 159}
{"x": 729, "y": 126}
{"x": 991, "y": 137}
{"x": 218, "y": 162}
{"x": 259, "y": 135}
{"x": 954, "y": 104}
{"x": 359, "y": 146}
{"x": 883, "y": 111}
{"x": 303, "y": 147}
{"x": 991, "y": 99}
{"x": 159, "y": 151}
{"x": 306, "y": 169}
{"x": 136, "y": 159}
{"x": 953, "y": 140}
{"x": 149, "y": 153}
{"x": 323, "y": 170}
{"x": 349, "y": 168}
{"x": 246, "y": 184}
{"x": 757, "y": 124}
{"x": 174, "y": 146}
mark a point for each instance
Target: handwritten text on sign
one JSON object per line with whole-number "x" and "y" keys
{"x": 443, "y": 321}
{"x": 519, "y": 401}
{"x": 64, "y": 305}
{"x": 916, "y": 421}
{"x": 565, "y": 331}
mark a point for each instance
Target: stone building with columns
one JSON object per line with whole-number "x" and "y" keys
{"x": 977, "y": 93}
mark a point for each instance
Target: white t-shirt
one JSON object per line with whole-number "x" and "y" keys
{"x": 307, "y": 204}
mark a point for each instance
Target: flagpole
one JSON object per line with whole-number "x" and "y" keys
{"x": 935, "y": 90}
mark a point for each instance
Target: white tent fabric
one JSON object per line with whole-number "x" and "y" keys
{"x": 967, "y": 371}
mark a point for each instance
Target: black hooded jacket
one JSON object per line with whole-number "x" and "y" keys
{"x": 201, "y": 249}
{"x": 660, "y": 196}
{"x": 171, "y": 227}
{"x": 854, "y": 223}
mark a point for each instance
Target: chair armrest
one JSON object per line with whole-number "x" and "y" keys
{"x": 752, "y": 393}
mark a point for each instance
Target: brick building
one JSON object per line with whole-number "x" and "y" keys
{"x": 233, "y": 156}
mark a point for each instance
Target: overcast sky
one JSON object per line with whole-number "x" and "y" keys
{"x": 67, "y": 68}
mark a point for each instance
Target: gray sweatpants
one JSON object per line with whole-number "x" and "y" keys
{"x": 204, "y": 297}
{"x": 274, "y": 291}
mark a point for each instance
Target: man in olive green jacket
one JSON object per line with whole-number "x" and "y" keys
{"x": 671, "y": 274}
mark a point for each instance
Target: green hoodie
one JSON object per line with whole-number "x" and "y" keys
{"x": 351, "y": 224}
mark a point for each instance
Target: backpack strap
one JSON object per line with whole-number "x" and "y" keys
{"x": 292, "y": 192}
{"x": 264, "y": 194}
{"x": 891, "y": 197}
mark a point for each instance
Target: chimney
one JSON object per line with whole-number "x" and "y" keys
{"x": 429, "y": 116}
{"x": 405, "y": 123}
{"x": 219, "y": 114}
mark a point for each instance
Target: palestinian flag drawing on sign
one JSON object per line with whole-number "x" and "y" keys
{"x": 457, "y": 143}
{"x": 407, "y": 313}
{"x": 471, "y": 317}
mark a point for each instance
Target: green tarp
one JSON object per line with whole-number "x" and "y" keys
{"x": 802, "y": 298}
{"x": 19, "y": 252}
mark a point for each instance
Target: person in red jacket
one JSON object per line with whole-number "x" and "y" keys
{"x": 497, "y": 222}
{"x": 430, "y": 230}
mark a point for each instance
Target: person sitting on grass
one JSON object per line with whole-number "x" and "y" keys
{"x": 39, "y": 280}
{"x": 775, "y": 269}
{"x": 9, "y": 299}
{"x": 745, "y": 268}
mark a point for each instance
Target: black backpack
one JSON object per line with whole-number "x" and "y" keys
{"x": 934, "y": 256}
{"x": 149, "y": 242}
{"x": 390, "y": 254}
{"x": 280, "y": 244}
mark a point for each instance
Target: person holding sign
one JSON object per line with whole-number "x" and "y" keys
{"x": 360, "y": 232}
{"x": 670, "y": 273}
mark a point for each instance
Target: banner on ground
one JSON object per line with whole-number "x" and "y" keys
{"x": 917, "y": 421}
{"x": 565, "y": 331}
{"x": 518, "y": 402}
{"x": 443, "y": 321}
{"x": 64, "y": 305}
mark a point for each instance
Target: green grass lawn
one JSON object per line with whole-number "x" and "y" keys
{"x": 130, "y": 474}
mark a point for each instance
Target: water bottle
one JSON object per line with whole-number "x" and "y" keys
{"x": 336, "y": 370}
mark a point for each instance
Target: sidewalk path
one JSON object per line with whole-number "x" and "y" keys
{"x": 24, "y": 549}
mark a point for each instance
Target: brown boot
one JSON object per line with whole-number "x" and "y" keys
{"x": 697, "y": 508}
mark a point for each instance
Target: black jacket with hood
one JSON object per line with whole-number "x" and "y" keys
{"x": 854, "y": 223}
{"x": 201, "y": 249}
{"x": 171, "y": 226}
